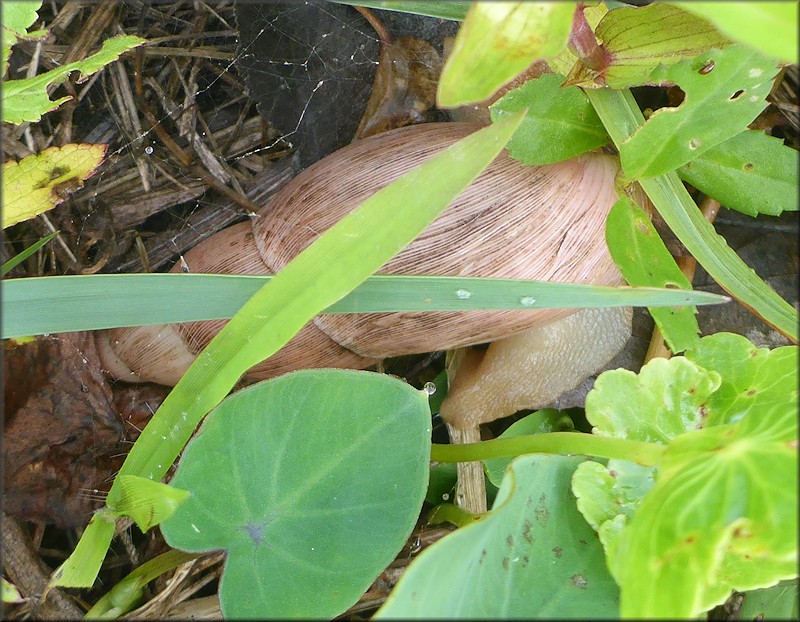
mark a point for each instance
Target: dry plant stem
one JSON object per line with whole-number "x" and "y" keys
{"x": 377, "y": 25}
{"x": 471, "y": 486}
{"x": 688, "y": 265}
{"x": 26, "y": 570}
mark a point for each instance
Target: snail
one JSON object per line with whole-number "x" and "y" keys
{"x": 514, "y": 221}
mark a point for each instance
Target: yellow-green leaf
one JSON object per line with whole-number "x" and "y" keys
{"x": 148, "y": 502}
{"x": 499, "y": 40}
{"x": 41, "y": 181}
{"x": 770, "y": 27}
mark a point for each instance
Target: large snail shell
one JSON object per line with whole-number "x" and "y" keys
{"x": 514, "y": 221}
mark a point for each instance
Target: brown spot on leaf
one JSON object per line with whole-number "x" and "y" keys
{"x": 558, "y": 552}
{"x": 579, "y": 581}
{"x": 526, "y": 531}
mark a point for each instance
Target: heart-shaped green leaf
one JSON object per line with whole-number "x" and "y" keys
{"x": 311, "y": 483}
{"x": 532, "y": 556}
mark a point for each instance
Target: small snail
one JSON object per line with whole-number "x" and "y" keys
{"x": 513, "y": 221}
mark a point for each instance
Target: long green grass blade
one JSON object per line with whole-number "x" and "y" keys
{"x": 621, "y": 116}
{"x": 342, "y": 258}
{"x": 454, "y": 10}
{"x": 18, "y": 259}
{"x": 39, "y": 305}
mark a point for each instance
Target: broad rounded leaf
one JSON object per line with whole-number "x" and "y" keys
{"x": 532, "y": 556}
{"x": 752, "y": 378}
{"x": 667, "y": 398}
{"x": 311, "y": 483}
{"x": 722, "y": 516}
{"x": 560, "y": 123}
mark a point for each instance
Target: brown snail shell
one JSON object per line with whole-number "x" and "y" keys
{"x": 514, "y": 221}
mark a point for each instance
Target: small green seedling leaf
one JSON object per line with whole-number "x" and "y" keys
{"x": 752, "y": 173}
{"x": 27, "y": 99}
{"x": 496, "y": 42}
{"x": 644, "y": 260}
{"x": 609, "y": 495}
{"x": 129, "y": 592}
{"x": 18, "y": 16}
{"x": 560, "y": 123}
{"x": 20, "y": 257}
{"x": 752, "y": 378}
{"x": 540, "y": 422}
{"x": 147, "y": 502}
{"x": 80, "y": 569}
{"x": 41, "y": 181}
{"x": 531, "y": 556}
{"x": 725, "y": 90}
{"x": 311, "y": 483}
{"x": 769, "y": 27}
{"x": 636, "y": 40}
{"x": 9, "y": 592}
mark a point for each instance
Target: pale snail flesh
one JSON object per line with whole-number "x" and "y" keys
{"x": 513, "y": 221}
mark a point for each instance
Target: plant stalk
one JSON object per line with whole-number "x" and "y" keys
{"x": 643, "y": 454}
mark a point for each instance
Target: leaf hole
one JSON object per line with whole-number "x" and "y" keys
{"x": 737, "y": 95}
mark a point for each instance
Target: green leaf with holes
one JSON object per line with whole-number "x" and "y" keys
{"x": 718, "y": 104}
{"x": 560, "y": 123}
{"x": 27, "y": 99}
{"x": 531, "y": 556}
{"x": 752, "y": 173}
{"x": 497, "y": 41}
{"x": 644, "y": 260}
{"x": 311, "y": 483}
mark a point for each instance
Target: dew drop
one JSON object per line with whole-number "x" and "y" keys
{"x": 527, "y": 301}
{"x": 694, "y": 144}
{"x": 463, "y": 294}
{"x": 148, "y": 150}
{"x": 429, "y": 388}
{"x": 163, "y": 438}
{"x": 445, "y": 497}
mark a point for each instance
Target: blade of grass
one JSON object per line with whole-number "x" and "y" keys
{"x": 18, "y": 259}
{"x": 55, "y": 304}
{"x": 342, "y": 258}
{"x": 621, "y": 116}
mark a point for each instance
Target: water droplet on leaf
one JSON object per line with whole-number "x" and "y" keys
{"x": 527, "y": 301}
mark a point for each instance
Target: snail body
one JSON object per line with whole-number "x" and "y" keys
{"x": 513, "y": 221}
